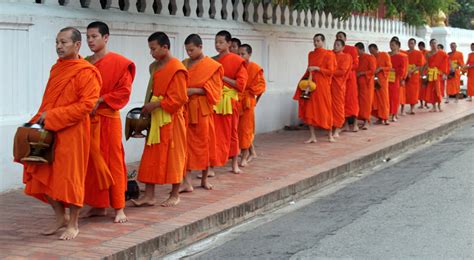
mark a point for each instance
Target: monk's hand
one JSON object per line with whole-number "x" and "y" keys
{"x": 100, "y": 100}
{"x": 402, "y": 82}
{"x": 149, "y": 107}
{"x": 42, "y": 119}
{"x": 313, "y": 68}
{"x": 445, "y": 77}
{"x": 377, "y": 70}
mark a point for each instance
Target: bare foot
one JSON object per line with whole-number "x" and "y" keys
{"x": 364, "y": 127}
{"x": 237, "y": 170}
{"x": 311, "y": 140}
{"x": 120, "y": 216}
{"x": 331, "y": 139}
{"x": 143, "y": 202}
{"x": 185, "y": 187}
{"x": 69, "y": 233}
{"x": 434, "y": 110}
{"x": 336, "y": 134}
{"x": 356, "y": 128}
{"x": 251, "y": 157}
{"x": 403, "y": 114}
{"x": 170, "y": 202}
{"x": 244, "y": 163}
{"x": 93, "y": 212}
{"x": 57, "y": 225}
{"x": 210, "y": 173}
{"x": 206, "y": 185}
{"x": 385, "y": 122}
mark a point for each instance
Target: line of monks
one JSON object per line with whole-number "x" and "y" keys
{"x": 346, "y": 85}
{"x": 201, "y": 110}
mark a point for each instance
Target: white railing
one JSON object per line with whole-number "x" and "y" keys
{"x": 243, "y": 11}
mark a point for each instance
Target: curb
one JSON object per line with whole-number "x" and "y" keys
{"x": 188, "y": 234}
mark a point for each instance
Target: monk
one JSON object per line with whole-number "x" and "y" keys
{"x": 381, "y": 104}
{"x": 436, "y": 70}
{"x": 226, "y": 117}
{"x": 164, "y": 155}
{"x": 72, "y": 90}
{"x": 421, "y": 94}
{"x": 248, "y": 100}
{"x": 470, "y": 74}
{"x": 416, "y": 60}
{"x": 365, "y": 80}
{"x": 204, "y": 91}
{"x": 456, "y": 62}
{"x": 338, "y": 86}
{"x": 351, "y": 108}
{"x": 235, "y": 45}
{"x": 396, "y": 77}
{"x": 317, "y": 110}
{"x": 117, "y": 76}
{"x": 443, "y": 81}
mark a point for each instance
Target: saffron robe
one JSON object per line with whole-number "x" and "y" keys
{"x": 227, "y": 136}
{"x": 367, "y": 64}
{"x": 338, "y": 88}
{"x": 201, "y": 137}
{"x": 422, "y": 93}
{"x": 438, "y": 61}
{"x": 412, "y": 84}
{"x": 470, "y": 75}
{"x": 164, "y": 162}
{"x": 399, "y": 64}
{"x": 403, "y": 87}
{"x": 351, "y": 107}
{"x": 317, "y": 110}
{"x": 255, "y": 87}
{"x": 117, "y": 74}
{"x": 71, "y": 93}
{"x": 456, "y": 61}
{"x": 381, "y": 104}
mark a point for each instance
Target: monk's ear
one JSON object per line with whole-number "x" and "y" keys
{"x": 106, "y": 38}
{"x": 77, "y": 45}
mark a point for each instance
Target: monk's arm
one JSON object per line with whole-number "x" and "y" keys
{"x": 258, "y": 84}
{"x": 241, "y": 78}
{"x": 118, "y": 98}
{"x": 176, "y": 95}
{"x": 196, "y": 91}
{"x": 88, "y": 88}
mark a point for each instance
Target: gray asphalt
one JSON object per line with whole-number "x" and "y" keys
{"x": 421, "y": 207}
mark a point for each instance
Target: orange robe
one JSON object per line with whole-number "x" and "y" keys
{"x": 227, "y": 135}
{"x": 317, "y": 110}
{"x": 422, "y": 93}
{"x": 381, "y": 104}
{"x": 255, "y": 87}
{"x": 201, "y": 137}
{"x": 367, "y": 64}
{"x": 412, "y": 84}
{"x": 164, "y": 163}
{"x": 438, "y": 60}
{"x": 443, "y": 81}
{"x": 402, "y": 88}
{"x": 117, "y": 76}
{"x": 338, "y": 88}
{"x": 399, "y": 63}
{"x": 72, "y": 91}
{"x": 351, "y": 107}
{"x": 470, "y": 75}
{"x": 453, "y": 85}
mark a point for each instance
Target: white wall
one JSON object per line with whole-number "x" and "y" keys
{"x": 27, "y": 48}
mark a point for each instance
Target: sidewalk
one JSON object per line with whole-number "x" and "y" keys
{"x": 285, "y": 170}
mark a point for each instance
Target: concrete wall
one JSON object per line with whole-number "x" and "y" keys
{"x": 281, "y": 42}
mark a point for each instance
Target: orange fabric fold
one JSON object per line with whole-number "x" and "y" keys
{"x": 71, "y": 93}
{"x": 338, "y": 88}
{"x": 453, "y": 85}
{"x": 422, "y": 93}
{"x": 381, "y": 104}
{"x": 367, "y": 64}
{"x": 400, "y": 65}
{"x": 201, "y": 136}
{"x": 106, "y": 180}
{"x": 164, "y": 163}
{"x": 412, "y": 85}
{"x": 434, "y": 90}
{"x": 470, "y": 75}
{"x": 351, "y": 107}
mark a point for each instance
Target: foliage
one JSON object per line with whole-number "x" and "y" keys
{"x": 416, "y": 12}
{"x": 462, "y": 17}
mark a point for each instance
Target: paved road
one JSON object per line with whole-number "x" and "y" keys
{"x": 419, "y": 207}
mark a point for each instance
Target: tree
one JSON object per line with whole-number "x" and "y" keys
{"x": 462, "y": 17}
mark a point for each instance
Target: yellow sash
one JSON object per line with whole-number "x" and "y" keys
{"x": 454, "y": 64}
{"x": 432, "y": 74}
{"x": 412, "y": 67}
{"x": 224, "y": 107}
{"x": 159, "y": 118}
{"x": 391, "y": 76}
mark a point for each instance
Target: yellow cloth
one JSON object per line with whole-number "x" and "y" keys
{"x": 454, "y": 64}
{"x": 303, "y": 85}
{"x": 159, "y": 118}
{"x": 432, "y": 74}
{"x": 224, "y": 107}
{"x": 412, "y": 67}
{"x": 391, "y": 76}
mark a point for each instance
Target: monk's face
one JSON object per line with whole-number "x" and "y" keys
{"x": 65, "y": 47}
{"x": 472, "y": 47}
{"x": 434, "y": 45}
{"x": 421, "y": 47}
{"x": 338, "y": 47}
{"x": 221, "y": 44}
{"x": 193, "y": 51}
{"x": 340, "y": 36}
{"x": 95, "y": 40}
{"x": 244, "y": 54}
{"x": 411, "y": 44}
{"x": 234, "y": 47}
{"x": 157, "y": 51}
{"x": 394, "y": 46}
{"x": 453, "y": 46}
{"x": 373, "y": 51}
{"x": 318, "y": 42}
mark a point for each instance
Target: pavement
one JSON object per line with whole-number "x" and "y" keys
{"x": 285, "y": 170}
{"x": 419, "y": 207}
